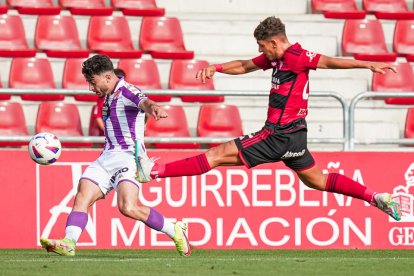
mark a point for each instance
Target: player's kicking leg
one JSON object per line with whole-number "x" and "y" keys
{"x": 65, "y": 247}
{"x": 144, "y": 164}
{"x": 385, "y": 203}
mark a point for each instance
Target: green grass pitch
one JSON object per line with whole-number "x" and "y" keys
{"x": 209, "y": 262}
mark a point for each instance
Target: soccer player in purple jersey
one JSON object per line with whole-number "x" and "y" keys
{"x": 284, "y": 135}
{"x": 123, "y": 114}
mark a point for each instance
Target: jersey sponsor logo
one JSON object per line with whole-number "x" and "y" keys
{"x": 290, "y": 154}
{"x": 310, "y": 55}
{"x": 302, "y": 112}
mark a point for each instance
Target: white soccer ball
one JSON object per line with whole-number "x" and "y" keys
{"x": 45, "y": 148}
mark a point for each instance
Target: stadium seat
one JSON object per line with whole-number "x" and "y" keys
{"x": 403, "y": 42}
{"x": 4, "y": 97}
{"x": 33, "y": 73}
{"x": 61, "y": 119}
{"x": 162, "y": 37}
{"x": 409, "y": 124}
{"x": 58, "y": 36}
{"x": 93, "y": 126}
{"x": 12, "y": 123}
{"x": 138, "y": 7}
{"x": 73, "y": 79}
{"x": 4, "y": 9}
{"x": 339, "y": 9}
{"x": 219, "y": 120}
{"x": 86, "y": 7}
{"x": 13, "y": 41}
{"x": 182, "y": 77}
{"x": 144, "y": 74}
{"x": 110, "y": 35}
{"x": 34, "y": 7}
{"x": 388, "y": 9}
{"x": 173, "y": 126}
{"x": 365, "y": 40}
{"x": 403, "y": 81}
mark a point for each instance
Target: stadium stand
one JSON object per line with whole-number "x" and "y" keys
{"x": 86, "y": 7}
{"x": 403, "y": 81}
{"x": 145, "y": 75}
{"x": 219, "y": 120}
{"x": 73, "y": 79}
{"x": 163, "y": 38}
{"x": 4, "y": 97}
{"x": 61, "y": 119}
{"x": 33, "y": 73}
{"x": 13, "y": 42}
{"x": 58, "y": 37}
{"x": 110, "y": 35}
{"x": 93, "y": 126}
{"x": 364, "y": 39}
{"x": 174, "y": 126}
{"x": 138, "y": 7}
{"x": 339, "y": 9}
{"x": 34, "y": 7}
{"x": 182, "y": 76}
{"x": 12, "y": 122}
{"x": 403, "y": 42}
{"x": 409, "y": 123}
{"x": 388, "y": 9}
{"x": 3, "y": 9}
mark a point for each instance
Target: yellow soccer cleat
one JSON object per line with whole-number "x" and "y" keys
{"x": 64, "y": 247}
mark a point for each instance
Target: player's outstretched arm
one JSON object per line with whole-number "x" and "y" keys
{"x": 235, "y": 67}
{"x": 152, "y": 108}
{"x": 326, "y": 62}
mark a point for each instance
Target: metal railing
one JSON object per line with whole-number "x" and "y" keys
{"x": 202, "y": 140}
{"x": 370, "y": 95}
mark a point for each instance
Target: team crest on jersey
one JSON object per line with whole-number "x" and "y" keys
{"x": 310, "y": 55}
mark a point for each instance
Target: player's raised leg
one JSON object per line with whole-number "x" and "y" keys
{"x": 88, "y": 193}
{"x": 127, "y": 198}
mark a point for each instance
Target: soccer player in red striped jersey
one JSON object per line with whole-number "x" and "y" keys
{"x": 284, "y": 135}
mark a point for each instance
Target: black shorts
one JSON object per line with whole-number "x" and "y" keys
{"x": 275, "y": 143}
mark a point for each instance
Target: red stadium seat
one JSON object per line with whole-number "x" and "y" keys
{"x": 4, "y": 96}
{"x": 4, "y": 9}
{"x": 409, "y": 124}
{"x": 173, "y": 126}
{"x": 74, "y": 79}
{"x": 61, "y": 119}
{"x": 403, "y": 81}
{"x": 182, "y": 77}
{"x": 13, "y": 41}
{"x": 340, "y": 9}
{"x": 34, "y": 7}
{"x": 12, "y": 123}
{"x": 365, "y": 40}
{"x": 110, "y": 35}
{"x": 93, "y": 126}
{"x": 33, "y": 73}
{"x": 58, "y": 37}
{"x": 388, "y": 9}
{"x": 403, "y": 43}
{"x": 138, "y": 7}
{"x": 144, "y": 74}
{"x": 86, "y": 7}
{"x": 219, "y": 120}
{"x": 162, "y": 37}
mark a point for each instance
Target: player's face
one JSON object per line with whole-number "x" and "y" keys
{"x": 99, "y": 84}
{"x": 268, "y": 48}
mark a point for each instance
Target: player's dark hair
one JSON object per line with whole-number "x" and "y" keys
{"x": 269, "y": 27}
{"x": 119, "y": 73}
{"x": 96, "y": 65}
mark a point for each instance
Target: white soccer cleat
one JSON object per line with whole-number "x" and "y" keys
{"x": 388, "y": 205}
{"x": 180, "y": 239}
{"x": 144, "y": 164}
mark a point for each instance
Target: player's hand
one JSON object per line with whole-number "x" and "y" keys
{"x": 207, "y": 72}
{"x": 380, "y": 67}
{"x": 158, "y": 112}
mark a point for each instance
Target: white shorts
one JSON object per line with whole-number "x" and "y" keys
{"x": 110, "y": 169}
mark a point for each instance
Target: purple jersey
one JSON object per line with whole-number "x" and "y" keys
{"x": 124, "y": 120}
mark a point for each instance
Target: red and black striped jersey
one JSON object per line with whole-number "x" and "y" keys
{"x": 288, "y": 99}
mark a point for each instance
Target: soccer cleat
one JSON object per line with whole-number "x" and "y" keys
{"x": 65, "y": 247}
{"x": 388, "y": 205}
{"x": 144, "y": 165}
{"x": 180, "y": 239}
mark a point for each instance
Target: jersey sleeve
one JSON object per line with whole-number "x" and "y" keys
{"x": 307, "y": 60}
{"x": 262, "y": 62}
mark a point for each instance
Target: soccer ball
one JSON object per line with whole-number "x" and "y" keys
{"x": 45, "y": 148}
